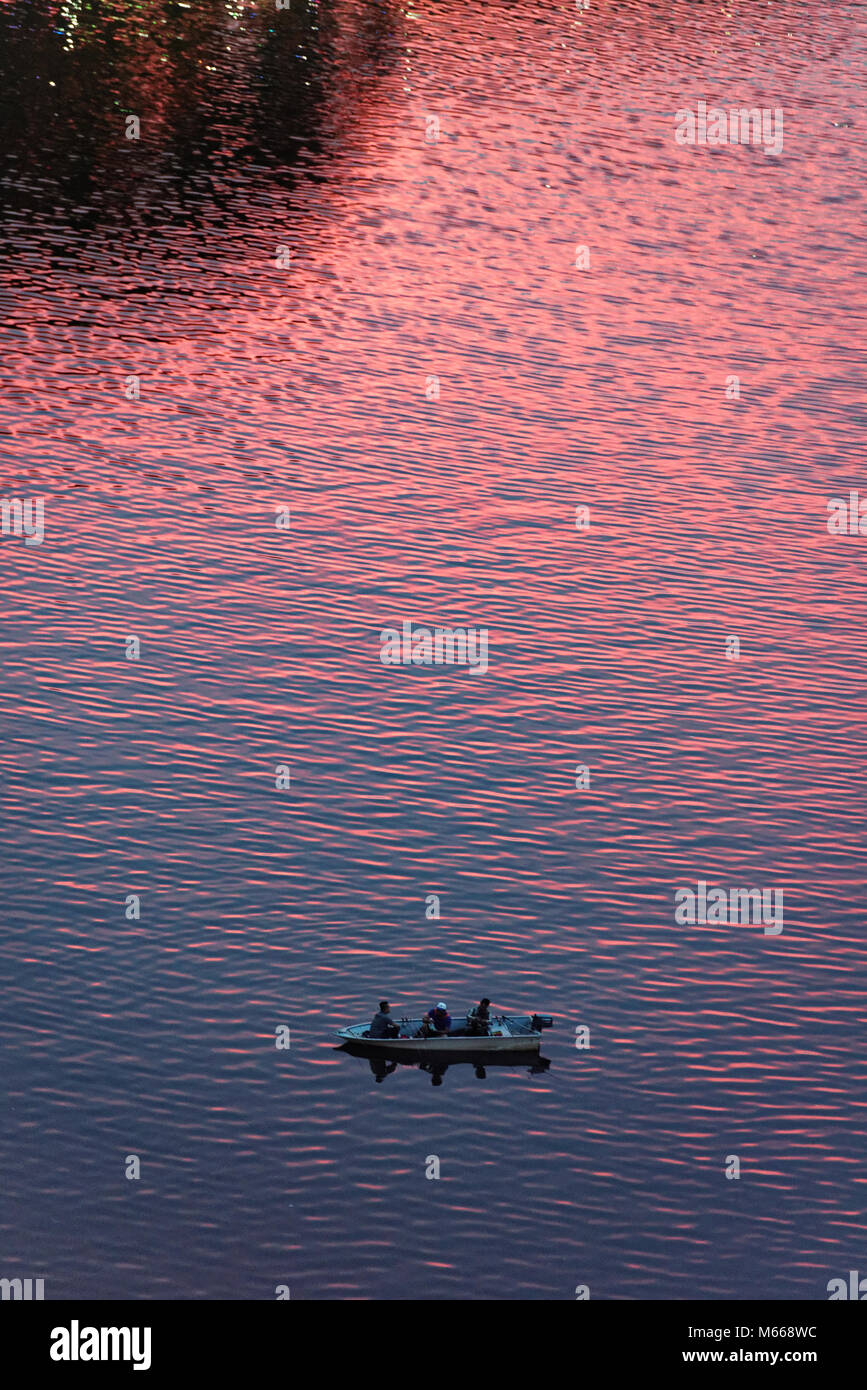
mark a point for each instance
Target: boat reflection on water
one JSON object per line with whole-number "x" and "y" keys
{"x": 481, "y": 1062}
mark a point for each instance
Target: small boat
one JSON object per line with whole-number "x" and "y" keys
{"x": 504, "y": 1033}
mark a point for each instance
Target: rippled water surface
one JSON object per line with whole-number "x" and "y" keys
{"x": 416, "y": 250}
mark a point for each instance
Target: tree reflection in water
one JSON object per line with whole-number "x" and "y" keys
{"x": 228, "y": 95}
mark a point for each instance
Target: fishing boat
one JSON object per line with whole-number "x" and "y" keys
{"x": 504, "y": 1033}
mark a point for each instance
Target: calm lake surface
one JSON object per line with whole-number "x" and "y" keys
{"x": 430, "y": 171}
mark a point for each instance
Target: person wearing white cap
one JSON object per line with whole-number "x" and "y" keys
{"x": 441, "y": 1018}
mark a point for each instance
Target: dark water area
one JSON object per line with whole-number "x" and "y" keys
{"x": 337, "y": 279}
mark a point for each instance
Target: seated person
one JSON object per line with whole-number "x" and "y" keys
{"x": 381, "y": 1025}
{"x": 479, "y": 1018}
{"x": 441, "y": 1018}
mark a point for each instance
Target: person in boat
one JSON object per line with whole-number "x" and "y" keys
{"x": 479, "y": 1018}
{"x": 382, "y": 1025}
{"x": 441, "y": 1018}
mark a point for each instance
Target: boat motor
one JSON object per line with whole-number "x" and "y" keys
{"x": 540, "y": 1021}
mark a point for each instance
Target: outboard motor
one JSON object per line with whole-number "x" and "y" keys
{"x": 540, "y": 1021}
